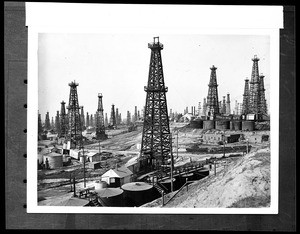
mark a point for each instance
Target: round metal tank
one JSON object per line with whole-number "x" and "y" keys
{"x": 54, "y": 160}
{"x": 222, "y": 124}
{"x": 208, "y": 124}
{"x": 196, "y": 123}
{"x": 137, "y": 193}
{"x": 235, "y": 125}
{"x": 201, "y": 173}
{"x": 167, "y": 184}
{"x": 248, "y": 125}
{"x": 100, "y": 184}
{"x": 110, "y": 196}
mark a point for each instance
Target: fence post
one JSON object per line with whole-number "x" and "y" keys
{"x": 215, "y": 167}
{"x": 163, "y": 198}
{"x": 187, "y": 185}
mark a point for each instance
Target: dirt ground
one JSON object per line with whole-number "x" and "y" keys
{"x": 123, "y": 146}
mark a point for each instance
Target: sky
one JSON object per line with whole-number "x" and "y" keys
{"x": 117, "y": 66}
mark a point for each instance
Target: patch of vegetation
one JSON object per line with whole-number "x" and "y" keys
{"x": 252, "y": 202}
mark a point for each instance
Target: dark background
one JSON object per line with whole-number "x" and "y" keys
{"x": 15, "y": 96}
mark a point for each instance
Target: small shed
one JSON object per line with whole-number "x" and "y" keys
{"x": 93, "y": 156}
{"x": 117, "y": 177}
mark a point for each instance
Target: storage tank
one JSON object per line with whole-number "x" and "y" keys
{"x": 100, "y": 184}
{"x": 198, "y": 123}
{"x": 167, "y": 183}
{"x": 201, "y": 173}
{"x": 110, "y": 196}
{"x": 138, "y": 193}
{"x": 235, "y": 125}
{"x": 248, "y": 125}
{"x": 222, "y": 124}
{"x": 187, "y": 177}
{"x": 208, "y": 124}
{"x": 55, "y": 160}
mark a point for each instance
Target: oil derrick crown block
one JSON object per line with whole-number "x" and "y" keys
{"x": 156, "y": 132}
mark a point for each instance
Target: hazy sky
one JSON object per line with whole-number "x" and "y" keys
{"x": 117, "y": 66}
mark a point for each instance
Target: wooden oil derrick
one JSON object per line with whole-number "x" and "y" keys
{"x": 74, "y": 123}
{"x": 100, "y": 129}
{"x": 63, "y": 120}
{"x": 212, "y": 104}
{"x": 246, "y": 99}
{"x": 156, "y": 143}
{"x": 254, "y": 100}
{"x": 263, "y": 101}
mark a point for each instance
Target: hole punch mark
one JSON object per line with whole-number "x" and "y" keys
{"x": 25, "y": 155}
{"x": 25, "y": 130}
{"x": 24, "y": 181}
{"x": 25, "y": 206}
{"x": 25, "y": 105}
{"x": 25, "y": 81}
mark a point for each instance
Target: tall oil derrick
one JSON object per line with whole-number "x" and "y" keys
{"x": 40, "y": 127}
{"x": 74, "y": 123}
{"x": 212, "y": 104}
{"x": 220, "y": 107}
{"x": 135, "y": 114}
{"x": 236, "y": 107}
{"x": 106, "y": 120}
{"x": 246, "y": 98}
{"x": 263, "y": 101}
{"x": 47, "y": 122}
{"x": 224, "y": 105}
{"x": 117, "y": 116}
{"x": 128, "y": 120}
{"x": 228, "y": 109}
{"x": 57, "y": 123}
{"x": 63, "y": 120}
{"x": 100, "y": 129}
{"x": 91, "y": 120}
{"x": 82, "y": 118}
{"x": 199, "y": 108}
{"x": 120, "y": 118}
{"x": 156, "y": 140}
{"x": 254, "y": 100}
{"x": 52, "y": 123}
{"x": 138, "y": 115}
{"x": 204, "y": 107}
{"x": 112, "y": 120}
{"x": 87, "y": 119}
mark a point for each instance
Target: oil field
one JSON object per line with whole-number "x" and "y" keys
{"x": 215, "y": 155}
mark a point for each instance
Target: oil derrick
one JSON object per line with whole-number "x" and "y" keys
{"x": 204, "y": 107}
{"x": 135, "y": 114}
{"x": 57, "y": 123}
{"x": 117, "y": 116}
{"x": 82, "y": 118}
{"x": 236, "y": 108}
{"x": 212, "y": 105}
{"x": 47, "y": 122}
{"x": 156, "y": 141}
{"x": 52, "y": 123}
{"x": 100, "y": 129}
{"x": 74, "y": 123}
{"x": 63, "y": 121}
{"x": 199, "y": 108}
{"x": 254, "y": 100}
{"x": 246, "y": 98}
{"x": 128, "y": 120}
{"x": 106, "y": 120}
{"x": 112, "y": 120}
{"x": 224, "y": 105}
{"x": 263, "y": 101}
{"x": 87, "y": 119}
{"x": 91, "y": 120}
{"x": 220, "y": 107}
{"x": 228, "y": 109}
{"x": 40, "y": 127}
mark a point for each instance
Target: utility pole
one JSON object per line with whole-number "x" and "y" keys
{"x": 172, "y": 162}
{"x": 223, "y": 144}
